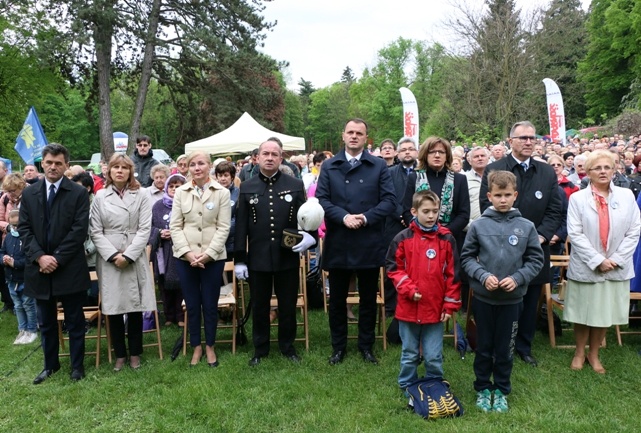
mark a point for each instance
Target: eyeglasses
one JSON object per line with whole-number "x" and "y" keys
{"x": 143, "y": 145}
{"x": 557, "y": 165}
{"x": 436, "y": 152}
{"x": 407, "y": 149}
{"x": 525, "y": 138}
{"x": 387, "y": 149}
{"x": 599, "y": 168}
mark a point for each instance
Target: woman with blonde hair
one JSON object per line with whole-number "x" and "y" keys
{"x": 604, "y": 227}
{"x": 199, "y": 225}
{"x": 120, "y": 223}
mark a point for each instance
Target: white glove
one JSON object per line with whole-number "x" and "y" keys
{"x": 307, "y": 242}
{"x": 241, "y": 271}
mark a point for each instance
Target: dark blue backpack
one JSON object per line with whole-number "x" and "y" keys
{"x": 431, "y": 399}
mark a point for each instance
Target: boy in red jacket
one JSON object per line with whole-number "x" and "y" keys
{"x": 422, "y": 263}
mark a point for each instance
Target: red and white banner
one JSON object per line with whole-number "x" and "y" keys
{"x": 410, "y": 115}
{"x": 556, "y": 114}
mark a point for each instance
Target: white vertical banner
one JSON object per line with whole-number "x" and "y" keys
{"x": 556, "y": 114}
{"x": 410, "y": 115}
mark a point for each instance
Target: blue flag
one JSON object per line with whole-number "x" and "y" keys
{"x": 31, "y": 139}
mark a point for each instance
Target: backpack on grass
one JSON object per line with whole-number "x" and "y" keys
{"x": 431, "y": 399}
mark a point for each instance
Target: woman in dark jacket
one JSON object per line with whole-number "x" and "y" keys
{"x": 225, "y": 174}
{"x": 162, "y": 256}
{"x": 434, "y": 173}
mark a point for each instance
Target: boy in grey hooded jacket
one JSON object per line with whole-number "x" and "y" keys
{"x": 502, "y": 254}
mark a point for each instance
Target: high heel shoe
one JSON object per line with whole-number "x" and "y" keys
{"x": 578, "y": 365}
{"x": 120, "y": 363}
{"x": 599, "y": 370}
{"x": 214, "y": 363}
{"x": 134, "y": 362}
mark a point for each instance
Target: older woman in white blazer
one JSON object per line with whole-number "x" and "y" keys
{"x": 120, "y": 223}
{"x": 603, "y": 227}
{"x": 199, "y": 225}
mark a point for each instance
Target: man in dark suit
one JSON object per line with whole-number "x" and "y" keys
{"x": 268, "y": 203}
{"x": 357, "y": 194}
{"x": 54, "y": 219}
{"x": 539, "y": 202}
{"x": 407, "y": 152}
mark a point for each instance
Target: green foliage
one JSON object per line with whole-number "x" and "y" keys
{"x": 612, "y": 61}
{"x": 328, "y": 111}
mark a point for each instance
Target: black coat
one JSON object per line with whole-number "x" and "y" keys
{"x": 267, "y": 206}
{"x": 538, "y": 201}
{"x": 365, "y": 189}
{"x": 69, "y": 224}
{"x": 394, "y": 223}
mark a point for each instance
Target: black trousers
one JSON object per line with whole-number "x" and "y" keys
{"x": 527, "y": 321}
{"x": 134, "y": 333}
{"x": 75, "y": 322}
{"x": 367, "y": 290}
{"x": 496, "y": 328}
{"x": 286, "y": 285}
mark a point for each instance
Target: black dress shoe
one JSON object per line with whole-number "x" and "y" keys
{"x": 77, "y": 375}
{"x": 254, "y": 361}
{"x": 337, "y": 357}
{"x": 529, "y": 359}
{"x": 294, "y": 358}
{"x": 44, "y": 374}
{"x": 368, "y": 356}
{"x": 213, "y": 364}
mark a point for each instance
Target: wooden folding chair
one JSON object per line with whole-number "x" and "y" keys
{"x": 353, "y": 299}
{"x": 226, "y": 300}
{"x": 301, "y": 303}
{"x": 556, "y": 300}
{"x": 91, "y": 313}
{"x": 634, "y": 296}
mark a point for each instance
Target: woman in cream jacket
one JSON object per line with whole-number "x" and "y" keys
{"x": 199, "y": 225}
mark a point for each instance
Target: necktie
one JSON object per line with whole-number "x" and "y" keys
{"x": 52, "y": 195}
{"x": 408, "y": 170}
{"x": 524, "y": 165}
{"x": 353, "y": 161}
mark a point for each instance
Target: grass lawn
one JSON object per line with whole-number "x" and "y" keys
{"x": 278, "y": 396}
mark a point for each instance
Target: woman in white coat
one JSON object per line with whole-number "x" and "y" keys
{"x": 603, "y": 227}
{"x": 120, "y": 224}
{"x": 199, "y": 225}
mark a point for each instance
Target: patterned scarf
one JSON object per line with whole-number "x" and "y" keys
{"x": 447, "y": 194}
{"x": 604, "y": 217}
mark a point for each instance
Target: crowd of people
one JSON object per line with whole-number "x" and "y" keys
{"x": 451, "y": 224}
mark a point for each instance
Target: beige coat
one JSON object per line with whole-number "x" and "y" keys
{"x": 123, "y": 225}
{"x": 201, "y": 224}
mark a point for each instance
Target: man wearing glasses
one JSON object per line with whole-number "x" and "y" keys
{"x": 143, "y": 159}
{"x": 539, "y": 201}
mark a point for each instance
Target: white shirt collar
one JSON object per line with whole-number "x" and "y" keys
{"x": 57, "y": 184}
{"x": 349, "y": 157}
{"x": 527, "y": 161}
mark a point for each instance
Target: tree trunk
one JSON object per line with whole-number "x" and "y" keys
{"x": 145, "y": 76}
{"x": 103, "y": 33}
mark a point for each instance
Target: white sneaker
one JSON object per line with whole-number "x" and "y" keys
{"x": 29, "y": 337}
{"x": 19, "y": 338}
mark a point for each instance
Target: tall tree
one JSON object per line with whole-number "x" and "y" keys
{"x": 558, "y": 45}
{"x": 497, "y": 77}
{"x": 182, "y": 44}
{"x": 613, "y": 60}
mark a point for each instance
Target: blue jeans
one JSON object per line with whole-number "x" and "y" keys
{"x": 24, "y": 306}
{"x": 413, "y": 335}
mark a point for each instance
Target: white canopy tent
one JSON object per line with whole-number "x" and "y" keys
{"x": 242, "y": 137}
